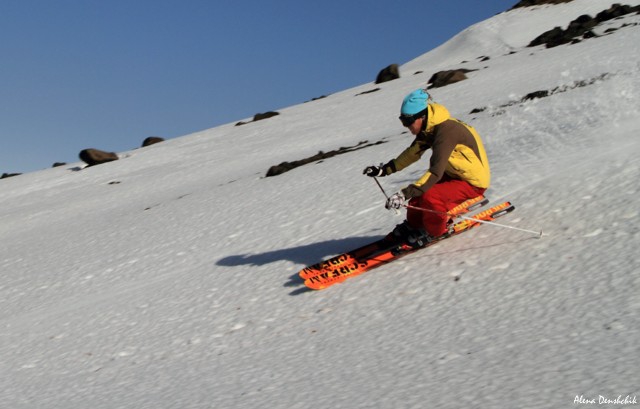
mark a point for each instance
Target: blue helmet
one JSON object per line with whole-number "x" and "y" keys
{"x": 414, "y": 103}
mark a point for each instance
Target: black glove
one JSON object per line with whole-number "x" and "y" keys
{"x": 373, "y": 171}
{"x": 412, "y": 191}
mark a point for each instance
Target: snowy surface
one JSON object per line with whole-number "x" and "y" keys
{"x": 168, "y": 279}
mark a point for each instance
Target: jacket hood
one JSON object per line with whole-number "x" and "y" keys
{"x": 437, "y": 115}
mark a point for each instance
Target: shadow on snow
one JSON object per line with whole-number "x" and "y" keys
{"x": 303, "y": 255}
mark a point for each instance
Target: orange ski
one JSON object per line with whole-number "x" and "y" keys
{"x": 361, "y": 252}
{"x": 352, "y": 266}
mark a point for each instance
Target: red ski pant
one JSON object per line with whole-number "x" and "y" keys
{"x": 442, "y": 197}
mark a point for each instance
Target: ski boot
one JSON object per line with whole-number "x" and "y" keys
{"x": 416, "y": 238}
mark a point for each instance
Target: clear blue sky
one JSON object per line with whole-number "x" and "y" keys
{"x": 77, "y": 74}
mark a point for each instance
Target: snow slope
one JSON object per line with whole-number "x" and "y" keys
{"x": 168, "y": 279}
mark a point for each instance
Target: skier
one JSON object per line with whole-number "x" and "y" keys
{"x": 458, "y": 168}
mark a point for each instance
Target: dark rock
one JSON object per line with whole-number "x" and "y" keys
{"x": 443, "y": 78}
{"x": 94, "y": 157}
{"x": 320, "y": 156}
{"x": 531, "y": 3}
{"x": 265, "y": 115}
{"x": 535, "y": 95}
{"x": 368, "y": 92}
{"x": 581, "y": 28}
{"x": 615, "y": 11}
{"x": 389, "y": 73}
{"x": 551, "y": 38}
{"x": 259, "y": 117}
{"x": 9, "y": 175}
{"x": 152, "y": 140}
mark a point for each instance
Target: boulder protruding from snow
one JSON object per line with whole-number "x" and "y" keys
{"x": 94, "y": 157}
{"x": 265, "y": 115}
{"x": 152, "y": 140}
{"x": 443, "y": 78}
{"x": 260, "y": 117}
{"x": 580, "y": 28}
{"x": 531, "y": 3}
{"x": 389, "y": 73}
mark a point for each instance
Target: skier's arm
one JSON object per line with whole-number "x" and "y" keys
{"x": 442, "y": 149}
{"x": 406, "y": 158}
{"x": 410, "y": 155}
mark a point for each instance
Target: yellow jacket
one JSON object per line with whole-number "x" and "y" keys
{"x": 457, "y": 151}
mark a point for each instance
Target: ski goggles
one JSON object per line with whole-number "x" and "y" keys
{"x": 408, "y": 120}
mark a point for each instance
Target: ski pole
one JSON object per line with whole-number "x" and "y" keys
{"x": 491, "y": 223}
{"x": 384, "y": 193}
{"x": 537, "y": 233}
{"x": 381, "y": 188}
